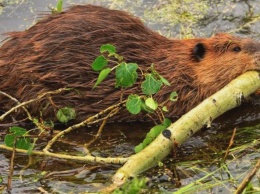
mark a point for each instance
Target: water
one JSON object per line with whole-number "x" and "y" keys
{"x": 218, "y": 16}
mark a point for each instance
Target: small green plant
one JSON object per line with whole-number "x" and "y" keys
{"x": 18, "y": 134}
{"x": 64, "y": 115}
{"x": 58, "y": 7}
{"x": 133, "y": 186}
{"x": 126, "y": 76}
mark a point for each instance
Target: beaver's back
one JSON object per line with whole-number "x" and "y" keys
{"x": 58, "y": 52}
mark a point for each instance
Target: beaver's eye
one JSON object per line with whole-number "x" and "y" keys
{"x": 199, "y": 51}
{"x": 236, "y": 49}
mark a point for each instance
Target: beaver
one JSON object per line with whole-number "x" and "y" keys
{"x": 58, "y": 51}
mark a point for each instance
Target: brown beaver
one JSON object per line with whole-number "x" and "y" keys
{"x": 58, "y": 51}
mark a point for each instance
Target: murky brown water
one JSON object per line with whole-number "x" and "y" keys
{"x": 119, "y": 139}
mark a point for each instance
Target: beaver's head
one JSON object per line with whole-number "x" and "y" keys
{"x": 222, "y": 58}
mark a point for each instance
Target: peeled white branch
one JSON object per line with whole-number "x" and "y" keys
{"x": 227, "y": 98}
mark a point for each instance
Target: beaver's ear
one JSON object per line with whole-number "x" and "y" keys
{"x": 199, "y": 51}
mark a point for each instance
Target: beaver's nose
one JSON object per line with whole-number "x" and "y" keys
{"x": 257, "y": 60}
{"x": 253, "y": 47}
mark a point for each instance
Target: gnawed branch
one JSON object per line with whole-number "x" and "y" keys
{"x": 227, "y": 98}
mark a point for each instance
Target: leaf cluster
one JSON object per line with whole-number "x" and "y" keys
{"x": 19, "y": 136}
{"x": 126, "y": 76}
{"x": 151, "y": 82}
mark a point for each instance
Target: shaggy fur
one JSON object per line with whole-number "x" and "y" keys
{"x": 58, "y": 51}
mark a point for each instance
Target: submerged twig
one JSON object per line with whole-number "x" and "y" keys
{"x": 10, "y": 175}
{"x": 113, "y": 112}
{"x": 231, "y": 142}
{"x": 86, "y": 145}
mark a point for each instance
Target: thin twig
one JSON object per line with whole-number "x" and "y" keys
{"x": 10, "y": 175}
{"x": 13, "y": 123}
{"x": 42, "y": 190}
{"x": 86, "y": 146}
{"x": 107, "y": 117}
{"x": 160, "y": 115}
{"x": 114, "y": 111}
{"x": 69, "y": 172}
{"x": 30, "y": 163}
{"x": 23, "y": 104}
{"x": 231, "y": 142}
{"x": 100, "y": 160}
{"x": 17, "y": 102}
{"x": 82, "y": 124}
{"x": 248, "y": 178}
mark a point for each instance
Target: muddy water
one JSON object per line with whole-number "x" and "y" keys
{"x": 239, "y": 17}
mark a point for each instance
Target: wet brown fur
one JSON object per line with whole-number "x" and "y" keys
{"x": 57, "y": 52}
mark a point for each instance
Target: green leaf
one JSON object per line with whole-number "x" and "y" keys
{"x": 157, "y": 76}
{"x": 151, "y": 103}
{"x": 165, "y": 109}
{"x": 160, "y": 164}
{"x": 66, "y": 114}
{"x": 150, "y": 136}
{"x": 99, "y": 63}
{"x": 156, "y": 130}
{"x": 249, "y": 188}
{"x": 108, "y": 48}
{"x": 146, "y": 108}
{"x": 126, "y": 74}
{"x": 17, "y": 133}
{"x": 151, "y": 85}
{"x": 59, "y": 6}
{"x": 21, "y": 142}
{"x": 167, "y": 122}
{"x": 165, "y": 81}
{"x": 48, "y": 123}
{"x": 147, "y": 141}
{"x": 103, "y": 74}
{"x": 174, "y": 96}
{"x": 139, "y": 148}
{"x": 18, "y": 130}
{"x": 133, "y": 104}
